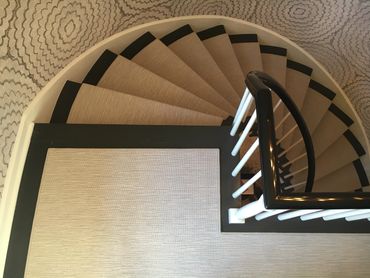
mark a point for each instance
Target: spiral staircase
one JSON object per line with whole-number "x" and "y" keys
{"x": 294, "y": 156}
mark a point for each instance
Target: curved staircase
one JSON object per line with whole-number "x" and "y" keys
{"x": 189, "y": 77}
{"x": 193, "y": 71}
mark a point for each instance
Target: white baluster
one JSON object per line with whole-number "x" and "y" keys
{"x": 286, "y": 134}
{"x": 358, "y": 217}
{"x": 322, "y": 213}
{"x": 245, "y": 158}
{"x": 282, "y": 121}
{"x": 269, "y": 213}
{"x": 244, "y": 135}
{"x": 251, "y": 209}
{"x": 290, "y": 147}
{"x": 297, "y": 185}
{"x": 295, "y": 172}
{"x": 244, "y": 98}
{"x": 346, "y": 214}
{"x": 239, "y": 117}
{"x": 296, "y": 213}
{"x": 246, "y": 185}
{"x": 277, "y": 105}
{"x": 294, "y": 160}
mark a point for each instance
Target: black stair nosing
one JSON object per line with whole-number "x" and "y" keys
{"x": 289, "y": 190}
{"x": 247, "y": 198}
{"x": 137, "y": 45}
{"x": 285, "y": 171}
{"x": 177, "y": 34}
{"x": 360, "y": 170}
{"x": 228, "y": 121}
{"x": 279, "y": 148}
{"x": 355, "y": 143}
{"x": 270, "y": 49}
{"x": 299, "y": 67}
{"x": 243, "y": 38}
{"x": 247, "y": 176}
{"x": 283, "y": 159}
{"x": 211, "y": 32}
{"x": 65, "y": 102}
{"x": 326, "y": 92}
{"x": 341, "y": 115}
{"x": 286, "y": 182}
{"x": 100, "y": 67}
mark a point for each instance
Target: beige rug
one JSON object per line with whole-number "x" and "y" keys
{"x": 155, "y": 213}
{"x": 38, "y": 38}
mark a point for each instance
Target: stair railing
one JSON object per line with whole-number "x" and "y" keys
{"x": 275, "y": 200}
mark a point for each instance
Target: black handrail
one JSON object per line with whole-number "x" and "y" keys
{"x": 261, "y": 86}
{"x": 294, "y": 111}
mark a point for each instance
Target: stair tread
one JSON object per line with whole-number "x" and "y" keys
{"x": 124, "y": 75}
{"x": 345, "y": 150}
{"x": 191, "y": 50}
{"x": 247, "y": 51}
{"x": 96, "y": 105}
{"x": 155, "y": 56}
{"x": 274, "y": 62}
{"x": 344, "y": 179}
{"x": 316, "y": 103}
{"x": 217, "y": 42}
{"x": 298, "y": 77}
{"x": 328, "y": 131}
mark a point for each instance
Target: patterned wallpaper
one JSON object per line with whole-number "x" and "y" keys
{"x": 39, "y": 37}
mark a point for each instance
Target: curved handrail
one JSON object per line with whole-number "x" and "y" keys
{"x": 260, "y": 85}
